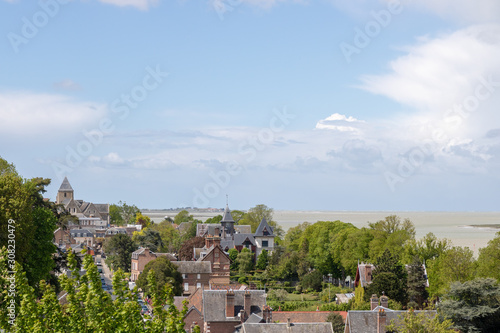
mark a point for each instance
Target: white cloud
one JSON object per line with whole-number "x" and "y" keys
{"x": 339, "y": 122}
{"x": 67, "y": 84}
{"x": 140, "y": 4}
{"x": 34, "y": 116}
{"x": 478, "y": 11}
{"x": 440, "y": 72}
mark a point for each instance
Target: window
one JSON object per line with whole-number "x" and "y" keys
{"x": 216, "y": 254}
{"x": 198, "y": 276}
{"x": 184, "y": 276}
{"x": 186, "y": 286}
{"x": 198, "y": 285}
{"x": 65, "y": 195}
{"x": 265, "y": 243}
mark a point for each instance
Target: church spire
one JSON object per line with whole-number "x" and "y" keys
{"x": 227, "y": 221}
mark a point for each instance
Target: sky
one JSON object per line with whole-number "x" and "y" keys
{"x": 296, "y": 104}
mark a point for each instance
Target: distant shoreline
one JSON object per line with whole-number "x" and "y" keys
{"x": 488, "y": 226}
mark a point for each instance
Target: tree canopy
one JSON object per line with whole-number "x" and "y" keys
{"x": 165, "y": 273}
{"x": 119, "y": 250}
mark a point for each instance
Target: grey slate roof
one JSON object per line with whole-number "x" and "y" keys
{"x": 65, "y": 186}
{"x": 193, "y": 267}
{"x": 81, "y": 233}
{"x": 366, "y": 321}
{"x": 227, "y": 217}
{"x": 283, "y": 327}
{"x": 237, "y": 240}
{"x": 264, "y": 229}
{"x": 214, "y": 304}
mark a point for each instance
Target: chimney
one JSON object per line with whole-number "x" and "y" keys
{"x": 384, "y": 300}
{"x": 247, "y": 303}
{"x": 289, "y": 322}
{"x": 208, "y": 241}
{"x": 242, "y": 316}
{"x": 381, "y": 318}
{"x": 267, "y": 315}
{"x": 217, "y": 231}
{"x": 217, "y": 240}
{"x": 230, "y": 303}
{"x": 373, "y": 302}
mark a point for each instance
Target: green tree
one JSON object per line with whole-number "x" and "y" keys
{"x": 312, "y": 280}
{"x": 245, "y": 261}
{"x": 148, "y": 238}
{"x": 410, "y": 322}
{"x": 262, "y": 260}
{"x": 143, "y": 220}
{"x": 233, "y": 255}
{"x": 119, "y": 250}
{"x": 165, "y": 273}
{"x": 473, "y": 306}
{"x": 391, "y": 234}
{"x": 427, "y": 248}
{"x": 26, "y": 218}
{"x": 359, "y": 299}
{"x": 337, "y": 322}
{"x": 215, "y": 219}
{"x": 122, "y": 213}
{"x": 389, "y": 276}
{"x": 455, "y": 264}
{"x": 417, "y": 281}
{"x": 255, "y": 215}
{"x": 170, "y": 236}
{"x": 115, "y": 215}
{"x": 489, "y": 259}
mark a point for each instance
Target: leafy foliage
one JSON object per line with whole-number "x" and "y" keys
{"x": 122, "y": 213}
{"x": 337, "y": 322}
{"x": 421, "y": 322}
{"x": 148, "y": 238}
{"x": 89, "y": 308}
{"x": 473, "y": 306}
{"x": 262, "y": 260}
{"x": 417, "y": 290}
{"x": 165, "y": 273}
{"x": 119, "y": 250}
{"x": 489, "y": 259}
{"x": 245, "y": 261}
{"x": 186, "y": 251}
{"x": 389, "y": 276}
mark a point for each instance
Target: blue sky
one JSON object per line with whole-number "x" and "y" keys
{"x": 306, "y": 105}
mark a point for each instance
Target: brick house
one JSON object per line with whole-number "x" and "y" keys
{"x": 376, "y": 319}
{"x": 141, "y": 257}
{"x": 219, "y": 261}
{"x": 224, "y": 310}
{"x": 195, "y": 274}
{"x": 63, "y": 238}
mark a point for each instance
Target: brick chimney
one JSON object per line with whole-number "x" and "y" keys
{"x": 381, "y": 319}
{"x": 373, "y": 302}
{"x": 217, "y": 240}
{"x": 267, "y": 315}
{"x": 384, "y": 300}
{"x": 230, "y": 303}
{"x": 208, "y": 241}
{"x": 247, "y": 303}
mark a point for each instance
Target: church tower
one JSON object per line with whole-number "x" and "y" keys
{"x": 65, "y": 193}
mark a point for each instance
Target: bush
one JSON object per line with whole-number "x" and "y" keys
{"x": 279, "y": 295}
{"x": 312, "y": 280}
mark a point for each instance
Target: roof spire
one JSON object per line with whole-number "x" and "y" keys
{"x": 65, "y": 186}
